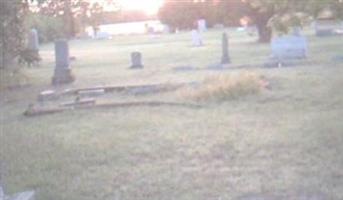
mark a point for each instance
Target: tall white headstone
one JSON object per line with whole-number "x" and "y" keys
{"x": 33, "y": 42}
{"x": 202, "y": 26}
{"x": 196, "y": 38}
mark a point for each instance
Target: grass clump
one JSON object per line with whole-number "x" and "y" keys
{"x": 227, "y": 87}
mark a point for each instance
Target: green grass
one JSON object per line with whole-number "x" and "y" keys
{"x": 285, "y": 140}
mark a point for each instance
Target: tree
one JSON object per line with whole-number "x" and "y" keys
{"x": 12, "y": 31}
{"x": 75, "y": 12}
{"x": 265, "y": 14}
{"x": 285, "y": 13}
{"x": 178, "y": 14}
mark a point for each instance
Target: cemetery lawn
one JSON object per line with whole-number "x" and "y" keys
{"x": 285, "y": 140}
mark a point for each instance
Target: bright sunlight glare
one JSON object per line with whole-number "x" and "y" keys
{"x": 148, "y": 6}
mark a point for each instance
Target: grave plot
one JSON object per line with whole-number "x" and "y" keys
{"x": 50, "y": 101}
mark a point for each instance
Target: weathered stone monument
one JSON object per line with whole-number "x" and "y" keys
{"x": 225, "y": 49}
{"x": 62, "y": 73}
{"x": 33, "y": 41}
{"x": 196, "y": 38}
{"x": 136, "y": 60}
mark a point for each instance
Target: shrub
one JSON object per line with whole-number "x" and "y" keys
{"x": 227, "y": 87}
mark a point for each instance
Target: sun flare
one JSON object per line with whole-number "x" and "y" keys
{"x": 148, "y": 6}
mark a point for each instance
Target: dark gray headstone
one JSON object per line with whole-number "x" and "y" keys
{"x": 33, "y": 42}
{"x": 62, "y": 69}
{"x": 136, "y": 60}
{"x": 225, "y": 49}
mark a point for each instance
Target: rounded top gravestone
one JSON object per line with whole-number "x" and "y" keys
{"x": 136, "y": 60}
{"x": 33, "y": 42}
{"x": 196, "y": 38}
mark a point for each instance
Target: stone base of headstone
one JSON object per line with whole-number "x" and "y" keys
{"x": 63, "y": 76}
{"x": 136, "y": 67}
{"x": 280, "y": 63}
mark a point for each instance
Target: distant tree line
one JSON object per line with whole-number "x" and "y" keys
{"x": 65, "y": 18}
{"x": 264, "y": 14}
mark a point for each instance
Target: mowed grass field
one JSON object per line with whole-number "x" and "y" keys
{"x": 284, "y": 141}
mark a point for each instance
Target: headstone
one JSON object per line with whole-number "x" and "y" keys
{"x": 196, "y": 38}
{"x": 136, "y": 60}
{"x": 62, "y": 73}
{"x": 202, "y": 26}
{"x": 289, "y": 47}
{"x": 225, "y": 49}
{"x": 33, "y": 42}
{"x": 326, "y": 27}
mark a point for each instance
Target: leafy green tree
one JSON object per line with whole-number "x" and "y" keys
{"x": 265, "y": 14}
{"x": 12, "y": 31}
{"x": 283, "y": 14}
{"x": 76, "y": 14}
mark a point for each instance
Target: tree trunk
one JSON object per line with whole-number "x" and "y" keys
{"x": 264, "y": 32}
{"x": 69, "y": 20}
